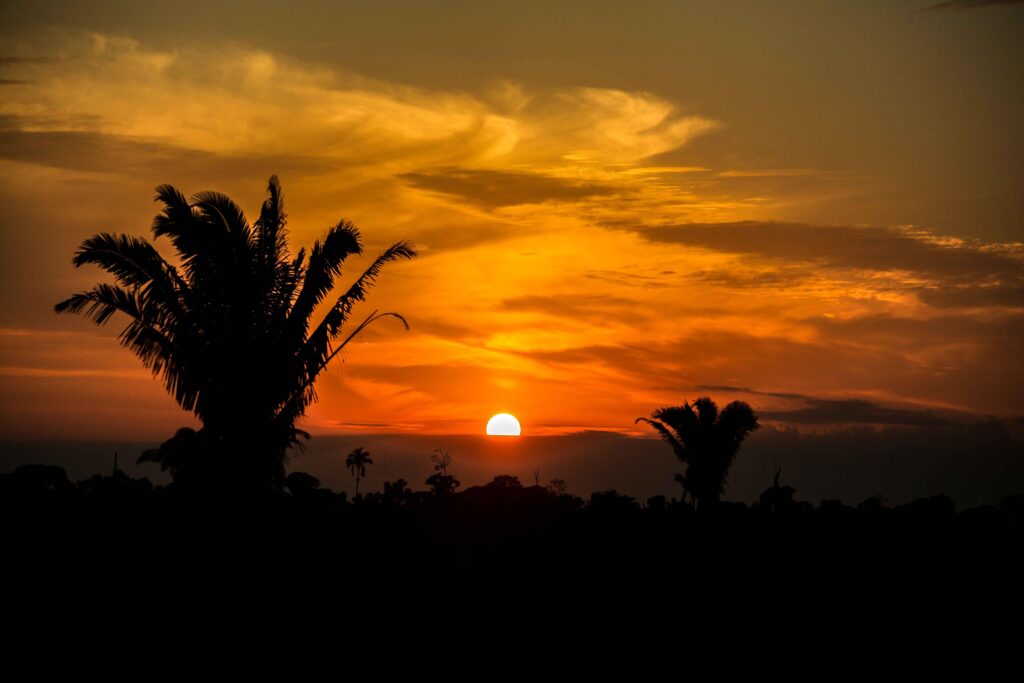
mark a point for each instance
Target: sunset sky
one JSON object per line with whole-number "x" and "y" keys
{"x": 815, "y": 207}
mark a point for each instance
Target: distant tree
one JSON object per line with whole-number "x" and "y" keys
{"x": 184, "y": 456}
{"x": 657, "y": 503}
{"x": 706, "y": 441}
{"x": 777, "y": 499}
{"x": 395, "y": 492}
{"x": 35, "y": 480}
{"x": 356, "y": 462}
{"x": 505, "y": 481}
{"x": 558, "y": 487}
{"x": 441, "y": 483}
{"x": 872, "y": 505}
{"x": 934, "y": 507}
{"x": 612, "y": 504}
{"x": 301, "y": 483}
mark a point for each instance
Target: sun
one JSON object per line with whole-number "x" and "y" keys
{"x": 503, "y": 424}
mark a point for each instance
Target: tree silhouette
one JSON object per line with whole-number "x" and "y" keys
{"x": 440, "y": 482}
{"x": 706, "y": 440}
{"x": 777, "y": 498}
{"x": 231, "y": 330}
{"x": 505, "y": 481}
{"x": 356, "y": 462}
{"x": 184, "y": 455}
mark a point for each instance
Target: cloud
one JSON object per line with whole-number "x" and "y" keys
{"x": 770, "y": 173}
{"x": 101, "y": 152}
{"x": 436, "y": 327}
{"x": 846, "y": 411}
{"x": 9, "y": 60}
{"x": 747, "y": 390}
{"x": 855, "y": 411}
{"x": 842, "y": 246}
{"x": 969, "y": 272}
{"x": 504, "y": 188}
{"x": 45, "y": 373}
{"x": 946, "y": 328}
{"x": 628, "y": 279}
{"x": 750, "y": 279}
{"x": 970, "y": 296}
{"x": 235, "y": 101}
{"x": 959, "y": 5}
{"x": 582, "y": 307}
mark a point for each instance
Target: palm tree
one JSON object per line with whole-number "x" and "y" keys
{"x": 357, "y": 461}
{"x": 231, "y": 329}
{"x": 706, "y": 440}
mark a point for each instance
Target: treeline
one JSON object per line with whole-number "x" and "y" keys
{"x": 106, "y": 530}
{"x": 505, "y": 502}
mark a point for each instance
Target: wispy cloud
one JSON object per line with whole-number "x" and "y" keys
{"x": 770, "y": 173}
{"x": 969, "y": 272}
{"x": 236, "y": 101}
{"x": 849, "y": 411}
{"x": 960, "y": 5}
{"x": 581, "y": 307}
{"x": 505, "y": 188}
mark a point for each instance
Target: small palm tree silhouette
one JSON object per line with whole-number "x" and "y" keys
{"x": 230, "y": 330}
{"x": 706, "y": 440}
{"x": 357, "y": 461}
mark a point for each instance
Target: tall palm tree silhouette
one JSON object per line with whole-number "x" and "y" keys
{"x": 357, "y": 461}
{"x": 706, "y": 440}
{"x": 231, "y": 330}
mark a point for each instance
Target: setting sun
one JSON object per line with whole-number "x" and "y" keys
{"x": 503, "y": 424}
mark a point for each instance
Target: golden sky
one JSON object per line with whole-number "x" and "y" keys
{"x": 815, "y": 207}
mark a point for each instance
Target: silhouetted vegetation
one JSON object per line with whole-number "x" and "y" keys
{"x": 459, "y": 548}
{"x": 231, "y": 330}
{"x": 504, "y": 517}
{"x": 706, "y": 441}
{"x": 356, "y": 462}
{"x": 442, "y": 483}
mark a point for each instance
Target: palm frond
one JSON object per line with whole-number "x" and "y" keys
{"x": 136, "y": 263}
{"x": 358, "y": 289}
{"x": 269, "y": 235}
{"x": 221, "y": 211}
{"x": 317, "y": 351}
{"x": 101, "y": 302}
{"x": 677, "y": 446}
{"x": 325, "y": 261}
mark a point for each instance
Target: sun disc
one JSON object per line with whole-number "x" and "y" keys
{"x": 503, "y": 424}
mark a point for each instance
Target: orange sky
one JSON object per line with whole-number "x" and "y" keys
{"x": 594, "y": 243}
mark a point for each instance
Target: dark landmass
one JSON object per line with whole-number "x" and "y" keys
{"x": 500, "y": 554}
{"x": 973, "y": 464}
{"x": 500, "y": 524}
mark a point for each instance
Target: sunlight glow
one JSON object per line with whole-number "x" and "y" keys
{"x": 503, "y": 424}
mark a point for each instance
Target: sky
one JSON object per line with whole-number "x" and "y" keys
{"x": 815, "y": 207}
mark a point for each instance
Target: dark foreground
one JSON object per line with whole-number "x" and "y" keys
{"x": 504, "y": 534}
{"x": 510, "y": 567}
